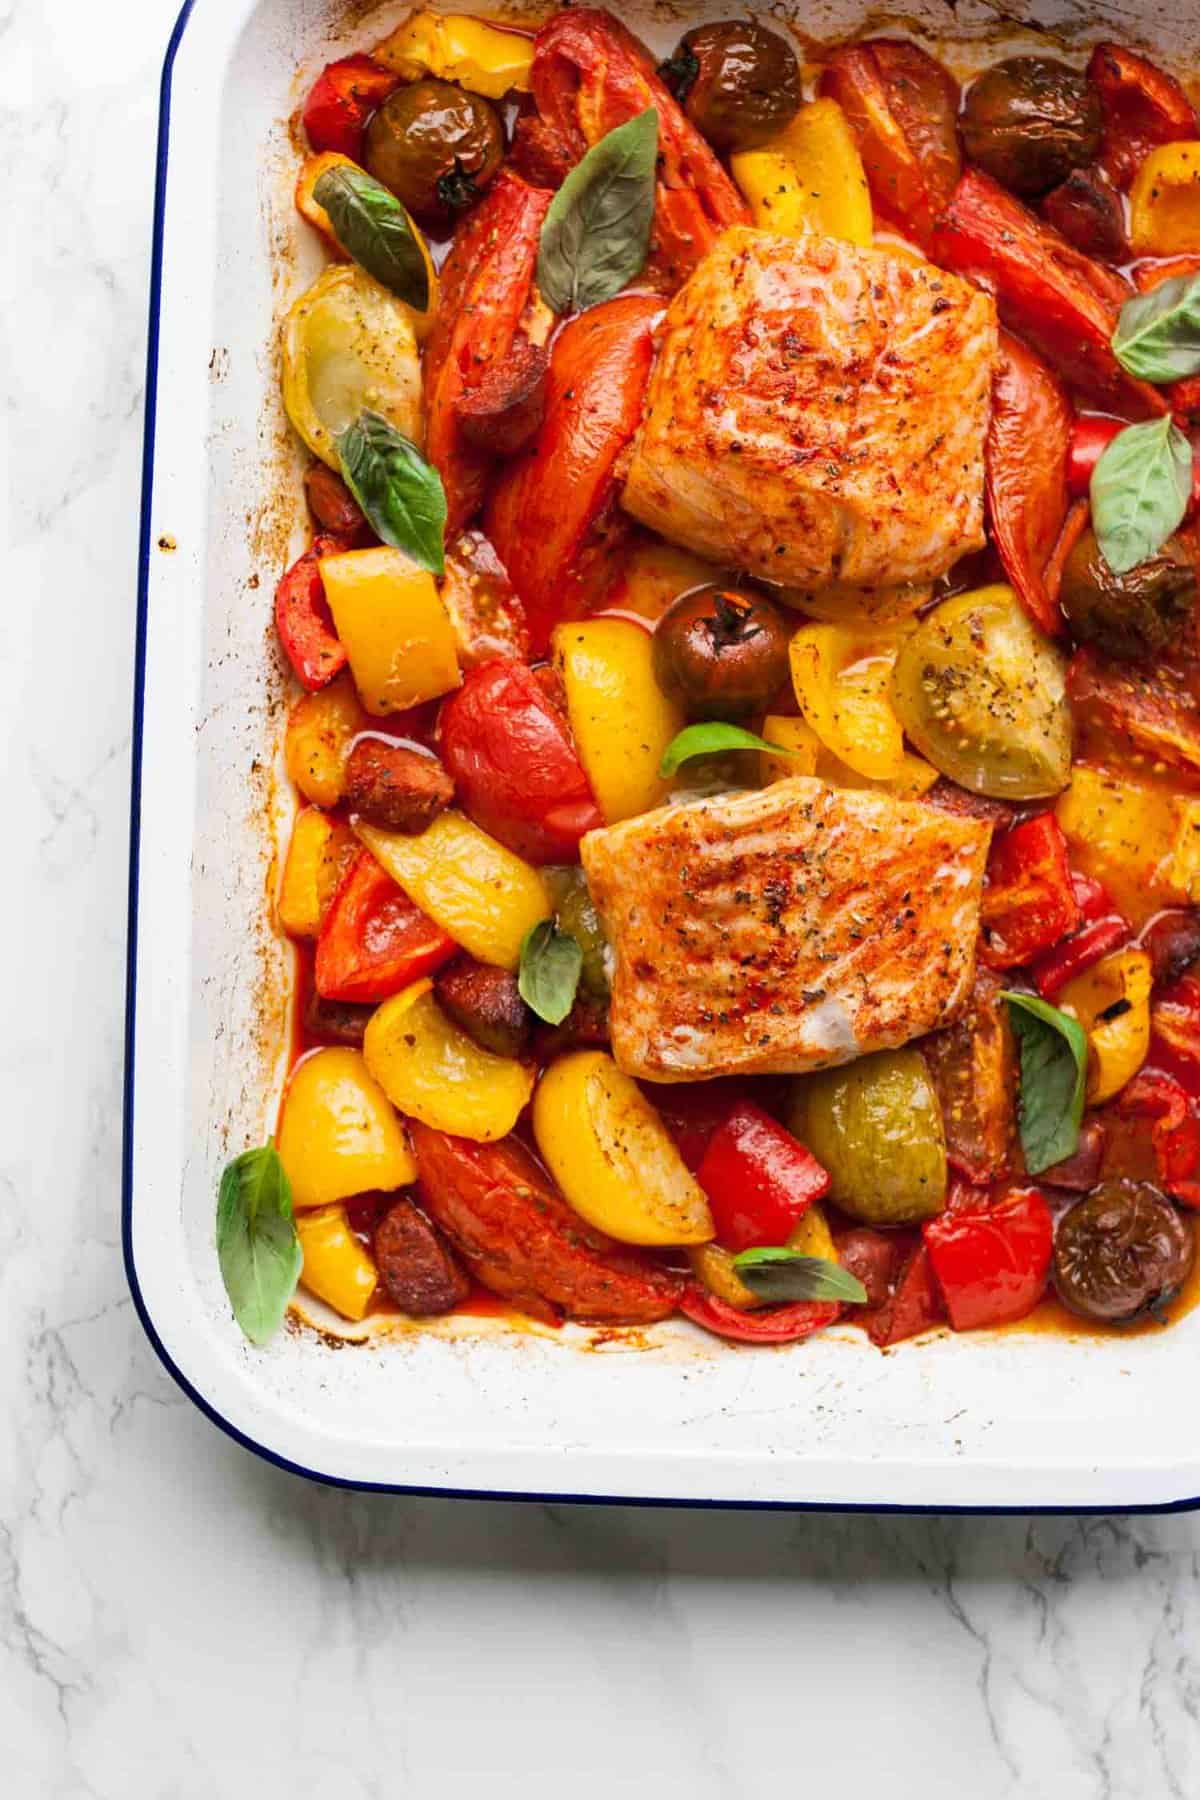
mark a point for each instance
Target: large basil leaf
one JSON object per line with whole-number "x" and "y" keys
{"x": 551, "y": 964}
{"x": 1140, "y": 489}
{"x": 257, "y": 1246}
{"x": 372, "y": 225}
{"x": 709, "y": 738}
{"x": 1158, "y": 334}
{"x": 1053, "y": 1049}
{"x": 400, "y": 493}
{"x": 597, "y": 230}
{"x": 780, "y": 1274}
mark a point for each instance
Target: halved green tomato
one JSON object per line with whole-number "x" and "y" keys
{"x": 982, "y": 694}
{"x": 348, "y": 344}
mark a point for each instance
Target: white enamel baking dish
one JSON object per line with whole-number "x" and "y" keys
{"x": 982, "y": 1421}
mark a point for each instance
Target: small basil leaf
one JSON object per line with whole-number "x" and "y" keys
{"x": 597, "y": 229}
{"x": 780, "y": 1274}
{"x": 257, "y": 1247}
{"x": 707, "y": 739}
{"x": 1158, "y": 334}
{"x": 1140, "y": 489}
{"x": 551, "y": 963}
{"x": 400, "y": 493}
{"x": 1053, "y": 1049}
{"x": 372, "y": 225}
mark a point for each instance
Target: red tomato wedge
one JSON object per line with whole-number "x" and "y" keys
{"x": 773, "y": 1325}
{"x": 902, "y": 107}
{"x": 375, "y": 940}
{"x": 1025, "y": 458}
{"x": 303, "y": 619}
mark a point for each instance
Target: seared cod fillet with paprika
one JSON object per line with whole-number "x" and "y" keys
{"x": 783, "y": 930}
{"x": 817, "y": 414}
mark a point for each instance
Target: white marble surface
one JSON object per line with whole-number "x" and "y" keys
{"x": 179, "y": 1620}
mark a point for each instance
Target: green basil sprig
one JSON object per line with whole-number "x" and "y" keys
{"x": 1158, "y": 334}
{"x": 780, "y": 1274}
{"x": 709, "y": 738}
{"x": 257, "y": 1246}
{"x": 1140, "y": 488}
{"x": 1053, "y": 1049}
{"x": 597, "y": 229}
{"x": 551, "y": 964}
{"x": 400, "y": 493}
{"x": 372, "y": 225}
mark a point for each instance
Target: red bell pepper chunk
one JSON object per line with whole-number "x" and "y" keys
{"x": 1174, "y": 1131}
{"x": 759, "y": 1179}
{"x": 901, "y": 106}
{"x": 375, "y": 940}
{"x": 303, "y": 619}
{"x": 1101, "y": 928}
{"x": 514, "y": 765}
{"x": 1025, "y": 459}
{"x": 1142, "y": 107}
{"x": 991, "y": 1261}
{"x": 1028, "y": 902}
{"x": 773, "y": 1325}
{"x": 913, "y": 1306}
{"x": 341, "y": 101}
{"x": 1175, "y": 1031}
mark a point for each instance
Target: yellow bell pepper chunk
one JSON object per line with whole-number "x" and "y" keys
{"x": 1143, "y": 842}
{"x": 621, "y": 719}
{"x": 713, "y": 1268}
{"x": 320, "y": 730}
{"x": 481, "y": 895}
{"x": 434, "y": 1072}
{"x": 809, "y": 178}
{"x": 396, "y": 633}
{"x": 613, "y": 1157}
{"x": 336, "y": 1267}
{"x": 794, "y": 735}
{"x": 842, "y": 679}
{"x": 811, "y": 1236}
{"x": 1117, "y": 1046}
{"x": 318, "y": 856}
{"x": 338, "y": 1135}
{"x": 1164, "y": 201}
{"x": 484, "y": 58}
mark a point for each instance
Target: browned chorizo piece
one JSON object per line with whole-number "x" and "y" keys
{"x": 502, "y": 412}
{"x": 486, "y": 1003}
{"x": 973, "y": 1067}
{"x": 417, "y": 1267}
{"x": 585, "y": 1027}
{"x": 400, "y": 789}
{"x": 335, "y": 1021}
{"x": 948, "y": 797}
{"x": 331, "y": 503}
{"x": 519, "y": 1237}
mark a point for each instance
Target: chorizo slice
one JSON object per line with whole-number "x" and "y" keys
{"x": 486, "y": 1003}
{"x": 400, "y": 789}
{"x": 417, "y": 1267}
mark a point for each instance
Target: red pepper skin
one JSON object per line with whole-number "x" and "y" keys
{"x": 1142, "y": 107}
{"x": 1174, "y": 1132}
{"x": 1091, "y": 435}
{"x": 1175, "y": 1031}
{"x": 1078, "y": 952}
{"x": 773, "y": 1325}
{"x": 1028, "y": 902}
{"x": 375, "y": 941}
{"x": 991, "y": 1261}
{"x": 1025, "y": 460}
{"x": 914, "y": 1305}
{"x": 514, "y": 765}
{"x": 303, "y": 619}
{"x": 341, "y": 101}
{"x": 901, "y": 106}
{"x": 759, "y": 1180}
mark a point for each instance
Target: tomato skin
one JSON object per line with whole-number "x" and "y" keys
{"x": 1142, "y": 106}
{"x": 1025, "y": 458}
{"x": 514, "y": 765}
{"x": 1091, "y": 434}
{"x": 913, "y": 1305}
{"x": 773, "y": 1325}
{"x": 902, "y": 107}
{"x": 991, "y": 1261}
{"x": 375, "y": 941}
{"x": 303, "y": 619}
{"x": 759, "y": 1179}
{"x": 340, "y": 102}
{"x": 1029, "y": 902}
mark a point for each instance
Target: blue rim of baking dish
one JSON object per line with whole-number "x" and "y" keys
{"x": 139, "y": 684}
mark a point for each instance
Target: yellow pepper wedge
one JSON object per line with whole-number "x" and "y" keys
{"x": 810, "y": 757}
{"x": 336, "y": 1267}
{"x": 395, "y": 631}
{"x": 320, "y": 730}
{"x": 310, "y": 208}
{"x": 338, "y": 1135}
{"x": 1143, "y": 842}
{"x": 1164, "y": 201}
{"x": 811, "y": 1235}
{"x": 481, "y": 895}
{"x": 713, "y": 1268}
{"x": 809, "y": 178}
{"x": 842, "y": 680}
{"x": 434, "y": 1072}
{"x": 621, "y": 719}
{"x": 794, "y": 735}
{"x": 318, "y": 856}
{"x": 484, "y": 58}
{"x": 1117, "y": 1046}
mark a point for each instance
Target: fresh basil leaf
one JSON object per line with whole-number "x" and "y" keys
{"x": 371, "y": 224}
{"x": 1053, "y": 1049}
{"x": 551, "y": 964}
{"x": 709, "y": 738}
{"x": 1158, "y": 334}
{"x": 1140, "y": 489}
{"x": 257, "y": 1246}
{"x": 780, "y": 1274}
{"x": 597, "y": 229}
{"x": 400, "y": 493}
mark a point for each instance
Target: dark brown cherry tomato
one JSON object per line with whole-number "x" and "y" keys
{"x": 436, "y": 147}
{"x": 1132, "y": 615}
{"x": 737, "y": 82}
{"x": 1121, "y": 1252}
{"x": 1029, "y": 121}
{"x": 721, "y": 652}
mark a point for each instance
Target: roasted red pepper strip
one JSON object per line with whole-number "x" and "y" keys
{"x": 514, "y": 765}
{"x": 773, "y": 1325}
{"x": 1025, "y": 458}
{"x": 1101, "y": 929}
{"x": 913, "y": 1305}
{"x": 485, "y": 285}
{"x": 901, "y": 106}
{"x": 759, "y": 1180}
{"x": 590, "y": 74}
{"x": 303, "y": 619}
{"x": 1142, "y": 106}
{"x": 375, "y": 941}
{"x": 1062, "y": 303}
{"x": 1175, "y": 1131}
{"x": 1028, "y": 902}
{"x": 341, "y": 101}
{"x": 552, "y": 515}
{"x": 991, "y": 1261}
{"x": 1175, "y": 1028}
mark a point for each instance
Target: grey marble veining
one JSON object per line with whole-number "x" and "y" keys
{"x": 178, "y": 1620}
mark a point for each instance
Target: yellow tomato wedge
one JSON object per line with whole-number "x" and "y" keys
{"x": 349, "y": 345}
{"x": 842, "y": 679}
{"x": 434, "y": 1072}
{"x": 613, "y": 1157}
{"x": 395, "y": 631}
{"x": 621, "y": 719}
{"x": 1164, "y": 201}
{"x": 318, "y": 856}
{"x": 808, "y": 178}
{"x": 1117, "y": 1046}
{"x": 455, "y": 47}
{"x": 320, "y": 730}
{"x": 336, "y": 1267}
{"x": 338, "y": 1135}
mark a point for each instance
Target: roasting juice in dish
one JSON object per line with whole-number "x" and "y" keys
{"x": 746, "y": 719}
